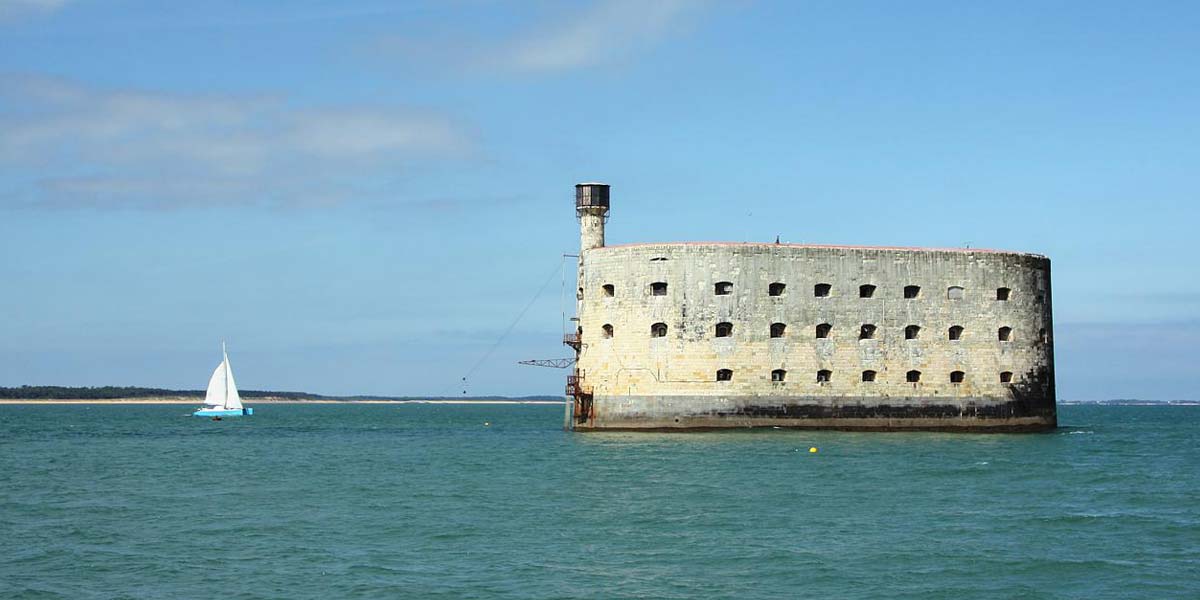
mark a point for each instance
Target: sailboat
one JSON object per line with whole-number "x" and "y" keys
{"x": 221, "y": 399}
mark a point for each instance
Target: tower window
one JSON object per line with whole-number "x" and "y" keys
{"x": 778, "y": 375}
{"x": 956, "y": 332}
{"x": 776, "y": 289}
{"x": 609, "y": 290}
{"x": 954, "y": 292}
{"x": 821, "y": 290}
{"x": 1002, "y": 294}
{"x": 724, "y": 375}
{"x": 912, "y": 291}
{"x": 724, "y": 329}
{"x": 866, "y": 291}
{"x": 912, "y": 332}
{"x": 956, "y": 376}
{"x": 1005, "y": 334}
{"x": 823, "y": 330}
{"x": 723, "y": 288}
{"x": 912, "y": 376}
{"x": 868, "y": 376}
{"x": 1006, "y": 377}
{"x": 1042, "y": 335}
{"x": 608, "y": 330}
{"x": 867, "y": 332}
{"x": 658, "y": 288}
{"x": 658, "y": 330}
{"x": 778, "y": 329}
{"x": 824, "y": 375}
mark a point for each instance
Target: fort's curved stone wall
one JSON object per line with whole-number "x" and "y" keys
{"x": 636, "y": 380}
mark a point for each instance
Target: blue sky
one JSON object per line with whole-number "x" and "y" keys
{"x": 361, "y": 197}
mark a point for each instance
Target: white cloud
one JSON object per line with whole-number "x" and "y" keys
{"x": 361, "y": 134}
{"x": 102, "y": 148}
{"x": 606, "y": 31}
{"x": 603, "y": 31}
{"x": 10, "y": 9}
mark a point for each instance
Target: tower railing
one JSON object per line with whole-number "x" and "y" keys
{"x": 591, "y": 198}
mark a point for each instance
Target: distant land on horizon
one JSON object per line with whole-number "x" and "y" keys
{"x": 1131, "y": 402}
{"x": 109, "y": 392}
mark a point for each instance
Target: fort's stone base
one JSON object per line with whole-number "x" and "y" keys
{"x": 981, "y": 414}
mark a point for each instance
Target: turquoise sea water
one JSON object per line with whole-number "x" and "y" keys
{"x": 420, "y": 501}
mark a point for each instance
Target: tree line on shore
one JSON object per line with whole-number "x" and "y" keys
{"x": 114, "y": 392}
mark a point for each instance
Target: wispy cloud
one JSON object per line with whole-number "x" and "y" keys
{"x": 1105, "y": 360}
{"x": 607, "y": 31}
{"x": 602, "y": 32}
{"x": 13, "y": 9}
{"x": 101, "y": 147}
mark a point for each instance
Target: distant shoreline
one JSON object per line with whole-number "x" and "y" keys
{"x": 197, "y": 401}
{"x": 111, "y": 394}
{"x": 256, "y": 401}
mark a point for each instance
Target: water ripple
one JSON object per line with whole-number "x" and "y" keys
{"x": 368, "y": 501}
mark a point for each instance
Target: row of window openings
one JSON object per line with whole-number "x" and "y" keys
{"x": 820, "y": 290}
{"x": 825, "y": 376}
{"x": 866, "y": 332}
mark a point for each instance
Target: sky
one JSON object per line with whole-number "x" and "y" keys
{"x": 363, "y": 197}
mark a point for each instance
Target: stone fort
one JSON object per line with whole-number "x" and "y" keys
{"x": 712, "y": 335}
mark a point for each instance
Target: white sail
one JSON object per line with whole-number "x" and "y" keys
{"x": 215, "y": 396}
{"x": 232, "y": 400}
{"x": 222, "y": 391}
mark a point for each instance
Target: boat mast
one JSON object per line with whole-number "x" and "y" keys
{"x": 225, "y": 366}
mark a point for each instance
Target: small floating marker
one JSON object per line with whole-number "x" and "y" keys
{"x": 487, "y": 423}
{"x": 812, "y": 450}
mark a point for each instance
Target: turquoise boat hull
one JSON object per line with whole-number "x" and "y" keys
{"x": 223, "y": 413}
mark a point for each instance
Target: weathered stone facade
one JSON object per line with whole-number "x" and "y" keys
{"x": 810, "y": 336}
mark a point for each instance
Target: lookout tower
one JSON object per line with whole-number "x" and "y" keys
{"x": 591, "y": 208}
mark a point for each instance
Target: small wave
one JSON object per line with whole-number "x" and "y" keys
{"x": 984, "y": 462}
{"x": 1077, "y": 432}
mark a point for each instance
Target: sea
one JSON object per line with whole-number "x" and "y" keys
{"x": 497, "y": 501}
